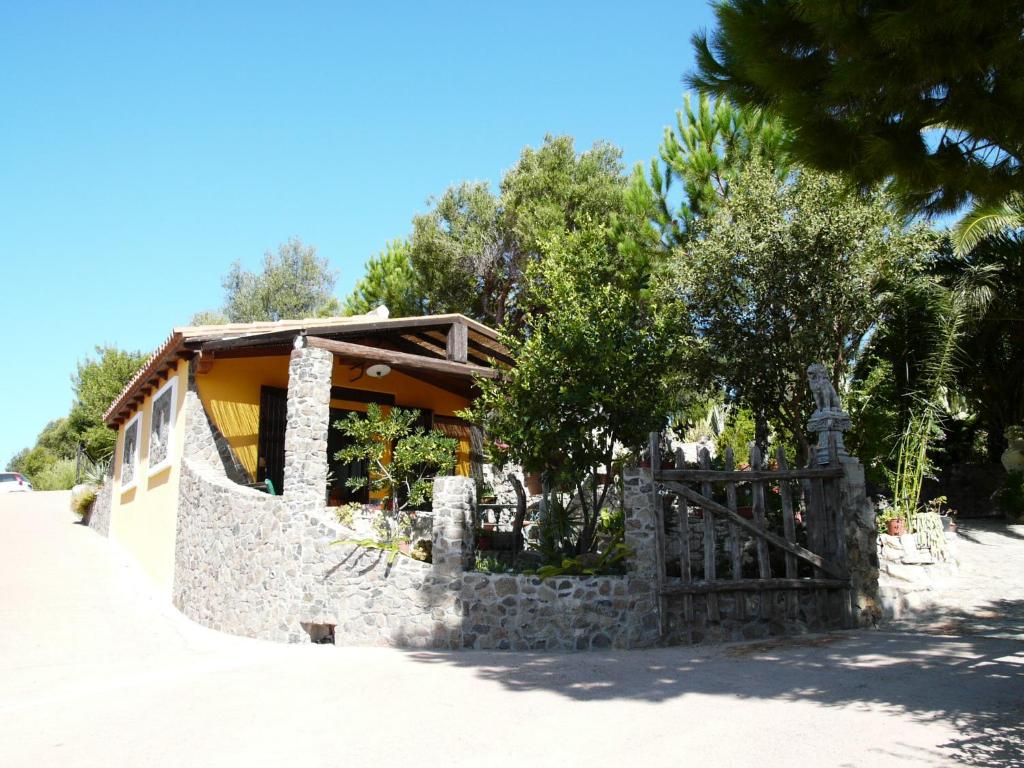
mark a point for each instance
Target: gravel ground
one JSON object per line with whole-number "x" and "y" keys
{"x": 97, "y": 670}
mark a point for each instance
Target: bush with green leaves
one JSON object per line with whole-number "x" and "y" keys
{"x": 1011, "y": 496}
{"x": 82, "y": 503}
{"x": 595, "y": 356}
{"x": 403, "y": 459}
{"x": 58, "y": 476}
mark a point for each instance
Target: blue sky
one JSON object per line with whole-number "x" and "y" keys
{"x": 144, "y": 147}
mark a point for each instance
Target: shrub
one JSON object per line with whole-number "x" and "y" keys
{"x": 1011, "y": 496}
{"x": 58, "y": 476}
{"x": 83, "y": 502}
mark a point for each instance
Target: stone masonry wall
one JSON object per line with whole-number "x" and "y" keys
{"x": 258, "y": 565}
{"x": 526, "y": 613}
{"x": 99, "y": 517}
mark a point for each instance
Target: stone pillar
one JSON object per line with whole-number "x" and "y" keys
{"x": 861, "y": 544}
{"x": 641, "y": 523}
{"x": 647, "y": 608}
{"x": 305, "y": 436}
{"x": 454, "y": 506}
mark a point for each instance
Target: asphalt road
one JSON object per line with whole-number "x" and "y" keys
{"x": 95, "y": 670}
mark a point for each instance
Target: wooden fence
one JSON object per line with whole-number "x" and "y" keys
{"x": 712, "y": 544}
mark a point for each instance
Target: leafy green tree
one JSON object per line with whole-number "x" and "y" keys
{"x": 787, "y": 273}
{"x": 403, "y": 458}
{"x": 96, "y": 382}
{"x": 293, "y": 284}
{"x": 60, "y": 437}
{"x": 990, "y": 370}
{"x": 31, "y": 462}
{"x": 927, "y": 94}
{"x": 459, "y": 254}
{"x": 389, "y": 280}
{"x": 706, "y": 150}
{"x": 593, "y": 369}
{"x": 472, "y": 251}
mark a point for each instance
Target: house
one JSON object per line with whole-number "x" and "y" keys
{"x": 239, "y": 377}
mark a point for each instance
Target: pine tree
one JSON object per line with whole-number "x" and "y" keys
{"x": 708, "y": 147}
{"x": 389, "y": 280}
{"x": 929, "y": 94}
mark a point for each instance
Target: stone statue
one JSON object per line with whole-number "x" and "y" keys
{"x": 829, "y": 420}
{"x": 825, "y": 397}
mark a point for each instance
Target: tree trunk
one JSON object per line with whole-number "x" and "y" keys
{"x": 517, "y": 525}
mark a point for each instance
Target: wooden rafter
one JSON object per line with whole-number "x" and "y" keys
{"x": 402, "y": 360}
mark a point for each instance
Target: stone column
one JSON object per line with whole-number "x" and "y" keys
{"x": 861, "y": 544}
{"x": 305, "y": 436}
{"x": 454, "y": 505}
{"x": 646, "y": 607}
{"x": 829, "y": 421}
{"x": 641, "y": 523}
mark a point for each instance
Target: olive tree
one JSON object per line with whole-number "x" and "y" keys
{"x": 786, "y": 273}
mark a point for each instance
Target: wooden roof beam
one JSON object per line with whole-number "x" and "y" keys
{"x": 400, "y": 359}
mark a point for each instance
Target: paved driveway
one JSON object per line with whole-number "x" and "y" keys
{"x": 95, "y": 671}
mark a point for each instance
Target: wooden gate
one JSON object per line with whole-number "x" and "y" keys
{"x": 721, "y": 528}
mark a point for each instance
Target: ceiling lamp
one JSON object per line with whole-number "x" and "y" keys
{"x": 378, "y": 371}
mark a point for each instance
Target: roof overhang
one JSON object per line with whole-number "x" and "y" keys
{"x": 435, "y": 348}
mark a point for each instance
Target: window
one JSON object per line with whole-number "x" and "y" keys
{"x": 161, "y": 426}
{"x": 130, "y": 452}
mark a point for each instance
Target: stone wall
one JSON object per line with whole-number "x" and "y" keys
{"x": 262, "y": 566}
{"x": 751, "y": 615}
{"x": 99, "y": 517}
{"x": 912, "y": 580}
{"x": 206, "y": 441}
{"x": 526, "y": 613}
{"x": 270, "y": 566}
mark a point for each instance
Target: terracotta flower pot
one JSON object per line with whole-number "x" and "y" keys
{"x": 533, "y": 484}
{"x": 897, "y": 526}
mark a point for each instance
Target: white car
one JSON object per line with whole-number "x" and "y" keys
{"x": 12, "y": 482}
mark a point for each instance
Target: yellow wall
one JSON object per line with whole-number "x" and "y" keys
{"x": 143, "y": 519}
{"x": 230, "y": 392}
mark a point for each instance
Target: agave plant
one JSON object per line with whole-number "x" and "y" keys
{"x": 96, "y": 472}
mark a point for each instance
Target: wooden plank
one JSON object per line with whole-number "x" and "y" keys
{"x": 752, "y": 585}
{"x": 456, "y": 347}
{"x": 816, "y": 560}
{"x": 697, "y": 475}
{"x": 683, "y": 513}
{"x": 485, "y": 352}
{"x": 362, "y": 396}
{"x": 788, "y": 531}
{"x": 704, "y": 459}
{"x": 654, "y": 445}
{"x": 764, "y": 566}
{"x": 816, "y": 517}
{"x": 735, "y": 546}
{"x": 400, "y": 359}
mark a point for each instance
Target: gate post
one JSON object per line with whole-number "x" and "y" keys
{"x": 829, "y": 421}
{"x": 861, "y": 544}
{"x": 643, "y": 538}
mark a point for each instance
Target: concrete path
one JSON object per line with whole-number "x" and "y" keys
{"x": 95, "y": 671}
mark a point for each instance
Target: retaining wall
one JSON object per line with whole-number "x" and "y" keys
{"x": 99, "y": 516}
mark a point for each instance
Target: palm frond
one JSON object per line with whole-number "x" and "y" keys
{"x": 985, "y": 220}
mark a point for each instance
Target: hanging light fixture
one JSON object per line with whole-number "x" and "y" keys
{"x": 378, "y": 371}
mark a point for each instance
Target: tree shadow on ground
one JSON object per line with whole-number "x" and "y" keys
{"x": 972, "y": 680}
{"x": 970, "y": 528}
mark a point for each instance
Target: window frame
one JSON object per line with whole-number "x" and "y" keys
{"x": 137, "y": 458}
{"x": 172, "y": 385}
